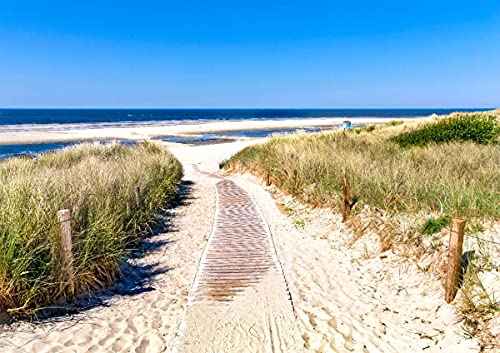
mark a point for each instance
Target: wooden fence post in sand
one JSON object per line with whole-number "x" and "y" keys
{"x": 138, "y": 196}
{"x": 268, "y": 179}
{"x": 64, "y": 217}
{"x": 294, "y": 178}
{"x": 454, "y": 258}
{"x": 347, "y": 199}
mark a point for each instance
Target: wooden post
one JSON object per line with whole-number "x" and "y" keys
{"x": 454, "y": 258}
{"x": 347, "y": 200}
{"x": 294, "y": 178}
{"x": 64, "y": 217}
{"x": 268, "y": 181}
{"x": 138, "y": 196}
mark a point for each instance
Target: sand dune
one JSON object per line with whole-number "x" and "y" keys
{"x": 136, "y": 317}
{"x": 345, "y": 299}
{"x": 347, "y": 303}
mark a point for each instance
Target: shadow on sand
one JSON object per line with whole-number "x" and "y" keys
{"x": 135, "y": 278}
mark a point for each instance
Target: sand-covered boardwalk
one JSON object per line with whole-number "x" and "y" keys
{"x": 239, "y": 301}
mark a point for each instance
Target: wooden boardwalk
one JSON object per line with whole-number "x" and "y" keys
{"x": 240, "y": 251}
{"x": 239, "y": 299}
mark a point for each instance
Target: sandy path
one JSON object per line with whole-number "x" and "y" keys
{"x": 239, "y": 301}
{"x": 144, "y": 311}
{"x": 349, "y": 299}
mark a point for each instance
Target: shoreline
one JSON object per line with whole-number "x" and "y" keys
{"x": 34, "y": 133}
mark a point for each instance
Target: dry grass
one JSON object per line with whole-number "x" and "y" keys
{"x": 97, "y": 184}
{"x": 458, "y": 178}
{"x": 477, "y": 305}
{"x": 400, "y": 186}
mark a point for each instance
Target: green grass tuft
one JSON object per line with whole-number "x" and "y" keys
{"x": 434, "y": 225}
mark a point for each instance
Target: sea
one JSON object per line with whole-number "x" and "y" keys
{"x": 95, "y": 118}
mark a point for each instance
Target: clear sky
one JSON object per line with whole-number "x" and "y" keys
{"x": 360, "y": 54}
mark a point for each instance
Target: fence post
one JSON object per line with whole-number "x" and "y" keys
{"x": 138, "y": 196}
{"x": 454, "y": 258}
{"x": 294, "y": 178}
{"x": 64, "y": 217}
{"x": 268, "y": 179}
{"x": 347, "y": 199}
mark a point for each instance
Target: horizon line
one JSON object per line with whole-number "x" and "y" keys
{"x": 242, "y": 108}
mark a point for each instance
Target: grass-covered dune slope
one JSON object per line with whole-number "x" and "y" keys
{"x": 444, "y": 164}
{"x": 97, "y": 184}
{"x": 409, "y": 180}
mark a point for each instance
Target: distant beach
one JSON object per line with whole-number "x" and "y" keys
{"x": 116, "y": 117}
{"x": 40, "y": 130}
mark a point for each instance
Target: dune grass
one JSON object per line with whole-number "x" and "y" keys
{"x": 97, "y": 184}
{"x": 458, "y": 178}
{"x": 445, "y": 166}
{"x": 479, "y": 128}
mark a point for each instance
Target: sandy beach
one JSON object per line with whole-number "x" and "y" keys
{"x": 37, "y": 133}
{"x": 343, "y": 300}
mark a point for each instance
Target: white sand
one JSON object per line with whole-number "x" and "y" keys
{"x": 145, "y": 322}
{"x": 344, "y": 301}
{"x": 20, "y": 134}
{"x": 239, "y": 303}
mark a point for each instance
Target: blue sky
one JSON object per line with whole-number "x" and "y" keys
{"x": 335, "y": 54}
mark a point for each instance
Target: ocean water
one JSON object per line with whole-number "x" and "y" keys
{"x": 37, "y": 148}
{"x": 228, "y": 136}
{"x": 118, "y": 116}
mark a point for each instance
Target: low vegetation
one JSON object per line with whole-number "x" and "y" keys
{"x": 458, "y": 178}
{"x": 97, "y": 184}
{"x": 412, "y": 176}
{"x": 478, "y": 128}
{"x": 434, "y": 225}
{"x": 476, "y": 305}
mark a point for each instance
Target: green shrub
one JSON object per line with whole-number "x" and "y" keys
{"x": 395, "y": 123}
{"x": 367, "y": 128}
{"x": 478, "y": 128}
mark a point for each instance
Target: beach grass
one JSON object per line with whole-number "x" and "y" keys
{"x": 479, "y": 128}
{"x": 96, "y": 183}
{"x": 426, "y": 171}
{"x": 456, "y": 176}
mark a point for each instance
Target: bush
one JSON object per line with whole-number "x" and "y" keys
{"x": 97, "y": 184}
{"x": 478, "y": 128}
